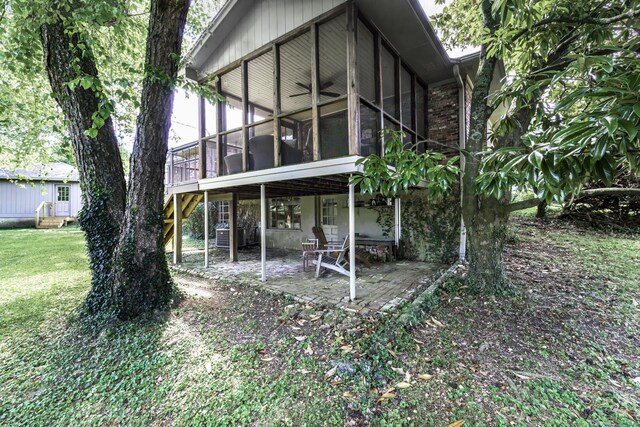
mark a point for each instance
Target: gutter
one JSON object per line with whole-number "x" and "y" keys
{"x": 462, "y": 130}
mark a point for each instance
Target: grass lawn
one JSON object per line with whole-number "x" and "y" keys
{"x": 564, "y": 349}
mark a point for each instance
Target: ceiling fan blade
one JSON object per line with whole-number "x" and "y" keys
{"x": 330, "y": 94}
{"x": 326, "y": 84}
{"x": 304, "y": 86}
{"x": 299, "y": 94}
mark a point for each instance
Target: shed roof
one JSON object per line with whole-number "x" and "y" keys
{"x": 54, "y": 171}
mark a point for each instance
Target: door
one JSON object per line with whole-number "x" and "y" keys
{"x": 62, "y": 200}
{"x": 329, "y": 219}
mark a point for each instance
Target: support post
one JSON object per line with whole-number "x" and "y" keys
{"x": 352, "y": 242}
{"x": 177, "y": 228}
{"x": 233, "y": 228}
{"x": 398, "y": 221}
{"x": 202, "y": 144}
{"x": 353, "y": 99}
{"x": 315, "y": 93}
{"x": 263, "y": 231}
{"x": 206, "y": 229}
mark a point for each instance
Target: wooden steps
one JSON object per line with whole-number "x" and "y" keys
{"x": 189, "y": 203}
{"x": 54, "y": 222}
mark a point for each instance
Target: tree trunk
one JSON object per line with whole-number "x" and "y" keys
{"x": 98, "y": 159}
{"x": 541, "y": 210}
{"x": 142, "y": 281}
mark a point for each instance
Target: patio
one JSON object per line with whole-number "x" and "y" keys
{"x": 380, "y": 288}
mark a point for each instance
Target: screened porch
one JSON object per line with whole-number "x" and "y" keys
{"x": 322, "y": 91}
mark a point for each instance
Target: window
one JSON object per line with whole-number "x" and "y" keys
{"x": 63, "y": 194}
{"x": 334, "y": 133}
{"x": 332, "y": 50}
{"x": 296, "y": 144}
{"x": 295, "y": 74}
{"x": 231, "y": 88}
{"x": 329, "y": 211}
{"x": 421, "y": 128}
{"x": 185, "y": 164}
{"x": 232, "y": 152}
{"x": 369, "y": 131}
{"x": 389, "y": 89}
{"x": 406, "y": 99}
{"x": 366, "y": 63}
{"x": 223, "y": 213}
{"x": 260, "y": 90}
{"x": 285, "y": 213}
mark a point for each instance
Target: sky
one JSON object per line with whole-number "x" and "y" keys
{"x": 185, "y": 110}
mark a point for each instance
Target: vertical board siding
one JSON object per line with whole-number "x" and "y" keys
{"x": 18, "y": 201}
{"x": 266, "y": 21}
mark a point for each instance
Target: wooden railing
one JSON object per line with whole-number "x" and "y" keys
{"x": 43, "y": 207}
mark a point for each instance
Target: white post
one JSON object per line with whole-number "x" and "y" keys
{"x": 263, "y": 231}
{"x": 463, "y": 240}
{"x": 206, "y": 229}
{"x": 352, "y": 242}
{"x": 397, "y": 220}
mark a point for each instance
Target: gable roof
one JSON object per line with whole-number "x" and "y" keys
{"x": 54, "y": 171}
{"x": 403, "y": 22}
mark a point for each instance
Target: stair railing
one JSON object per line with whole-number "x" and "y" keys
{"x": 43, "y": 207}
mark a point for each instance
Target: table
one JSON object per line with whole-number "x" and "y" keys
{"x": 378, "y": 241}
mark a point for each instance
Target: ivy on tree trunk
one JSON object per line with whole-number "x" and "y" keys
{"x": 123, "y": 228}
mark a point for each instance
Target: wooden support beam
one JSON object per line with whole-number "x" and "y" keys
{"x": 233, "y": 228}
{"x": 177, "y": 228}
{"x": 379, "y": 94}
{"x": 202, "y": 143}
{"x": 220, "y": 118}
{"x": 245, "y": 98}
{"x": 276, "y": 105}
{"x": 353, "y": 99}
{"x": 315, "y": 93}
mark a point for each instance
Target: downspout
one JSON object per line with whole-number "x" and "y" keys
{"x": 462, "y": 130}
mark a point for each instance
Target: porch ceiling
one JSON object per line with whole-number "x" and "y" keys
{"x": 335, "y": 184}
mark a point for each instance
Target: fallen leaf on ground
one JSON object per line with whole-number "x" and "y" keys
{"x": 309, "y": 350}
{"x": 207, "y": 366}
{"x": 267, "y": 359}
{"x": 403, "y": 385}
{"x": 456, "y": 423}
{"x": 386, "y": 396}
{"x": 425, "y": 376}
{"x": 303, "y": 371}
{"x": 437, "y": 323}
{"x": 331, "y": 372}
{"x": 347, "y": 394}
{"x": 300, "y": 338}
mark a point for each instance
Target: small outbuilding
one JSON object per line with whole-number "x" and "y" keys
{"x": 47, "y": 196}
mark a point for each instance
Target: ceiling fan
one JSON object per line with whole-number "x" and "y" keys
{"x": 323, "y": 92}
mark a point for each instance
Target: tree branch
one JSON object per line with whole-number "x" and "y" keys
{"x": 580, "y": 20}
{"x": 608, "y": 191}
{"x": 524, "y": 204}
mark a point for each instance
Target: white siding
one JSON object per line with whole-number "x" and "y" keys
{"x": 265, "y": 21}
{"x": 366, "y": 223}
{"x": 21, "y": 200}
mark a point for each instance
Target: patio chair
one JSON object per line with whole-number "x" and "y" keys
{"x": 333, "y": 259}
{"x": 361, "y": 255}
{"x": 309, "y": 249}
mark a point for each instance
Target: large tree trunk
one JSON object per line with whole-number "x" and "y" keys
{"x": 123, "y": 229}
{"x": 98, "y": 159}
{"x": 142, "y": 281}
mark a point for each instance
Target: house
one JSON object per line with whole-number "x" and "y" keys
{"x": 48, "y": 193}
{"x": 308, "y": 85}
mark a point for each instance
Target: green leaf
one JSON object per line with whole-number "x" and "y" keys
{"x": 636, "y": 109}
{"x": 611, "y": 122}
{"x": 629, "y": 127}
